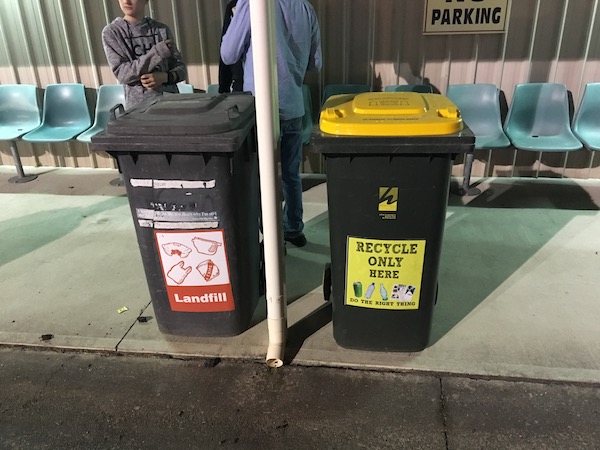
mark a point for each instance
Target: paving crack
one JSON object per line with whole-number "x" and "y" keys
{"x": 443, "y": 411}
{"x": 58, "y": 369}
{"x": 38, "y": 395}
{"x": 132, "y": 325}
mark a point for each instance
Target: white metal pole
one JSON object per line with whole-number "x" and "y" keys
{"x": 262, "y": 24}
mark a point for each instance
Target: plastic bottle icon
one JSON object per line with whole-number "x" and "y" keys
{"x": 382, "y": 292}
{"x": 370, "y": 290}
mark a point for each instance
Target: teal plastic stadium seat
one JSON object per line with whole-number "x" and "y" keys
{"x": 586, "y": 124}
{"x": 538, "y": 119}
{"x": 307, "y": 119}
{"x": 479, "y": 107}
{"x": 421, "y": 88}
{"x": 212, "y": 89}
{"x": 336, "y": 89}
{"x": 185, "y": 88}
{"x": 19, "y": 110}
{"x": 19, "y": 114}
{"x": 109, "y": 95}
{"x": 65, "y": 114}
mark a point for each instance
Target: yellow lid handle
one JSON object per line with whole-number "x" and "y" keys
{"x": 449, "y": 113}
{"x": 331, "y": 113}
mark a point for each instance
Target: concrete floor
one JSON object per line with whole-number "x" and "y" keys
{"x": 518, "y": 280}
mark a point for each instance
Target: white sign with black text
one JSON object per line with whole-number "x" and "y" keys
{"x": 466, "y": 16}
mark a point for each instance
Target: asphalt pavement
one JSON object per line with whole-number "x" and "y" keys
{"x": 75, "y": 400}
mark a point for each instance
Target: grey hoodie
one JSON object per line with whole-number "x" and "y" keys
{"x": 133, "y": 50}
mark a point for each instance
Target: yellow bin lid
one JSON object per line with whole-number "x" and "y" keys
{"x": 390, "y": 114}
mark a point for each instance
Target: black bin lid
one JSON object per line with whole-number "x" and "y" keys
{"x": 184, "y": 115}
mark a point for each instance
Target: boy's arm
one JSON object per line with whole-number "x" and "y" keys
{"x": 236, "y": 40}
{"x": 225, "y": 77}
{"x": 126, "y": 71}
{"x": 177, "y": 67}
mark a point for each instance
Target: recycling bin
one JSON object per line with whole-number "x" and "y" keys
{"x": 388, "y": 159}
{"x": 190, "y": 167}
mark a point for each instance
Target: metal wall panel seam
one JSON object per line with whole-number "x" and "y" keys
{"x": 26, "y": 43}
{"x": 591, "y": 24}
{"x": 476, "y": 58}
{"x": 371, "y": 54}
{"x": 560, "y": 39}
{"x": 105, "y": 7}
{"x": 532, "y": 39}
{"x": 88, "y": 36}
{"x": 448, "y": 63}
{"x": 151, "y": 8}
{"x": 553, "y": 75}
{"x": 202, "y": 49}
{"x": 176, "y": 26}
{"x": 8, "y": 54}
{"x": 585, "y": 60}
{"x": 346, "y": 35}
{"x": 67, "y": 42}
{"x": 47, "y": 42}
{"x": 504, "y": 45}
{"x": 499, "y": 84}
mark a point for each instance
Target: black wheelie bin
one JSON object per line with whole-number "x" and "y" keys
{"x": 190, "y": 167}
{"x": 388, "y": 159}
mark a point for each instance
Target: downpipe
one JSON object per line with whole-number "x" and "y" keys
{"x": 267, "y": 124}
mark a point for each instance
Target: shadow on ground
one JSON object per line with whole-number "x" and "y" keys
{"x": 23, "y": 235}
{"x": 304, "y": 273}
{"x": 490, "y": 238}
{"x": 303, "y": 266}
{"x": 303, "y": 329}
{"x": 564, "y": 194}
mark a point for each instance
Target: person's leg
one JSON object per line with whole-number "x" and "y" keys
{"x": 291, "y": 158}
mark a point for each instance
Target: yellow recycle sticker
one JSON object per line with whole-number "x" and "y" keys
{"x": 384, "y": 274}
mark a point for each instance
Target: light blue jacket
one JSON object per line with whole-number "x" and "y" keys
{"x": 298, "y": 50}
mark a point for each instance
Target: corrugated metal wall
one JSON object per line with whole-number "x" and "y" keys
{"x": 378, "y": 42}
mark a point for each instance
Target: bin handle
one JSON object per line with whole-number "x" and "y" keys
{"x": 233, "y": 112}
{"x": 113, "y": 110}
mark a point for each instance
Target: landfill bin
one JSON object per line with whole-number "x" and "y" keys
{"x": 388, "y": 158}
{"x": 190, "y": 167}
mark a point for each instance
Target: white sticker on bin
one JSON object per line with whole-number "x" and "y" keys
{"x": 177, "y": 225}
{"x": 146, "y": 223}
{"x": 176, "y": 220}
{"x": 176, "y": 216}
{"x": 172, "y": 184}
{"x": 185, "y": 225}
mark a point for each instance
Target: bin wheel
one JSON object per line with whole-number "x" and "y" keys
{"x": 327, "y": 282}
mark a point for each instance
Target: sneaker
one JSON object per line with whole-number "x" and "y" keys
{"x": 298, "y": 240}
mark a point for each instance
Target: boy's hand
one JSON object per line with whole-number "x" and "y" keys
{"x": 153, "y": 80}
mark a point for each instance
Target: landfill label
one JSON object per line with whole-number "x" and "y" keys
{"x": 384, "y": 274}
{"x": 196, "y": 270}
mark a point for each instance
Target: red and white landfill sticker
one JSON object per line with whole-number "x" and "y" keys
{"x": 196, "y": 270}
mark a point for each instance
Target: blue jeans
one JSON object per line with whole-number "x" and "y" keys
{"x": 291, "y": 157}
